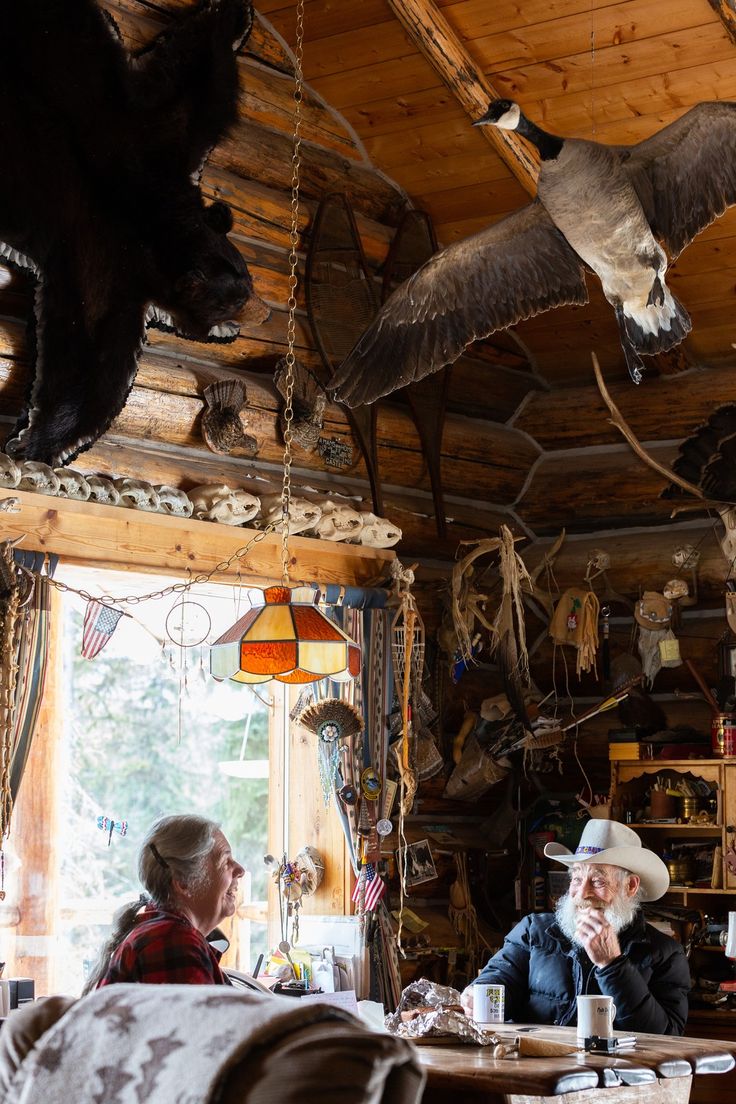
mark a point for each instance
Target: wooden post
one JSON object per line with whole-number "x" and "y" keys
{"x": 34, "y": 826}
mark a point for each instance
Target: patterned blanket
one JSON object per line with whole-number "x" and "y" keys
{"x": 178, "y": 1044}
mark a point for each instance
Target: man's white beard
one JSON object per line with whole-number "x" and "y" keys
{"x": 619, "y": 915}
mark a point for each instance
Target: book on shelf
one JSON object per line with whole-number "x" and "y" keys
{"x": 626, "y": 750}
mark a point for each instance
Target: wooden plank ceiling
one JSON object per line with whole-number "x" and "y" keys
{"x": 615, "y": 72}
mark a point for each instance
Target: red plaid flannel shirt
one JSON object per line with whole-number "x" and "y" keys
{"x": 164, "y": 948}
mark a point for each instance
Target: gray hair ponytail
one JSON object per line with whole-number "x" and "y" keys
{"x": 174, "y": 850}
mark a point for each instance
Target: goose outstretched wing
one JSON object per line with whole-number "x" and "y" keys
{"x": 685, "y": 175}
{"x": 516, "y": 268}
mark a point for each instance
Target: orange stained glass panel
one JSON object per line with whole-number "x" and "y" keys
{"x": 312, "y": 625}
{"x": 277, "y": 594}
{"x": 354, "y": 660}
{"x": 268, "y": 658}
{"x": 274, "y": 623}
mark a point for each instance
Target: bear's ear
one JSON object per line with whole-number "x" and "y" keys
{"x": 219, "y": 217}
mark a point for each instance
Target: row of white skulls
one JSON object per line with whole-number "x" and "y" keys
{"x": 327, "y": 520}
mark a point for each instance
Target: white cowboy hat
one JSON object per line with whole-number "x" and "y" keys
{"x": 608, "y": 843}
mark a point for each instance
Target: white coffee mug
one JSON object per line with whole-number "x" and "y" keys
{"x": 595, "y": 1017}
{"x": 488, "y": 1002}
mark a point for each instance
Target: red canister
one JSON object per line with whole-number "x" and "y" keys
{"x": 723, "y": 735}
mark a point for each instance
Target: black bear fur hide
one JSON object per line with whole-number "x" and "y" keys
{"x": 100, "y": 200}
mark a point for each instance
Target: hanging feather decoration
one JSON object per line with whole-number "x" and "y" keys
{"x": 222, "y": 428}
{"x": 331, "y": 720}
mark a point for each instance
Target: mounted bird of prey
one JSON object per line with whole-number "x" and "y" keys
{"x": 606, "y": 208}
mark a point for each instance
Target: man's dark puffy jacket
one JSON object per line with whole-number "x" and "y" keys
{"x": 544, "y": 973}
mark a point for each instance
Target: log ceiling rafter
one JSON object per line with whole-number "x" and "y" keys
{"x": 727, "y": 16}
{"x": 438, "y": 42}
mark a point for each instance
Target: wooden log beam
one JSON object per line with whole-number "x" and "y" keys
{"x": 587, "y": 489}
{"x": 439, "y": 44}
{"x": 667, "y": 408}
{"x": 257, "y": 153}
{"x": 725, "y": 12}
{"x": 482, "y": 459}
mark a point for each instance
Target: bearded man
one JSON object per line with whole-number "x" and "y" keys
{"x": 596, "y": 941}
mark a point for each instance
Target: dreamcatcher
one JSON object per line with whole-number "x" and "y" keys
{"x": 188, "y": 625}
{"x": 333, "y": 722}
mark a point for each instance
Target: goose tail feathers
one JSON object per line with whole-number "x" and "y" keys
{"x": 656, "y": 327}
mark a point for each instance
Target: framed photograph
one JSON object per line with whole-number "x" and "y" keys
{"x": 419, "y": 863}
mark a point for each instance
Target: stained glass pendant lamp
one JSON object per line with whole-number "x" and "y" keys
{"x": 288, "y": 638}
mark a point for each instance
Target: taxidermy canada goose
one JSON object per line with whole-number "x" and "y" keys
{"x": 604, "y": 207}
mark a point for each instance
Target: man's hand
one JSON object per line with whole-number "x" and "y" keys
{"x": 597, "y": 937}
{"x": 466, "y": 1000}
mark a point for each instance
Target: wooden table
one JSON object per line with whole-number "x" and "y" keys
{"x": 659, "y": 1070}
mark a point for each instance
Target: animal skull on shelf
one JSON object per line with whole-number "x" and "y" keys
{"x": 378, "y": 532}
{"x": 303, "y": 514}
{"x": 38, "y": 477}
{"x": 227, "y": 505}
{"x": 338, "y": 522}
{"x": 9, "y": 471}
{"x": 72, "y": 484}
{"x": 103, "y": 490}
{"x": 137, "y": 495}
{"x": 173, "y": 501}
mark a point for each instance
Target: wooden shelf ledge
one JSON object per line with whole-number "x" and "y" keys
{"x": 134, "y": 540}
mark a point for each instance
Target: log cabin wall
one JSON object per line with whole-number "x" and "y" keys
{"x": 527, "y": 441}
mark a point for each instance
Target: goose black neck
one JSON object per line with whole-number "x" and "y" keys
{"x": 549, "y": 145}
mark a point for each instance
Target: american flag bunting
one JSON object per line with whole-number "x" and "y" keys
{"x": 100, "y": 623}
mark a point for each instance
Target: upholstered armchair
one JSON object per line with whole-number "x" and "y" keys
{"x": 192, "y": 1044}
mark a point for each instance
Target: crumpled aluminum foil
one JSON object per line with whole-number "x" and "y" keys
{"x": 440, "y": 1015}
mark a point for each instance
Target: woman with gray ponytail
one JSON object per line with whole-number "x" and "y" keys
{"x": 191, "y": 881}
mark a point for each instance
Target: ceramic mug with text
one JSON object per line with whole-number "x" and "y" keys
{"x": 596, "y": 1015}
{"x": 488, "y": 1002}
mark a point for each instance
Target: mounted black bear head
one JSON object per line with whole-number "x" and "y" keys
{"x": 98, "y": 199}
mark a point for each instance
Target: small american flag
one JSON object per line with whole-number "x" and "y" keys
{"x": 374, "y": 885}
{"x": 99, "y": 625}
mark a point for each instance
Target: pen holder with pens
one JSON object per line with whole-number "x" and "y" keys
{"x": 662, "y": 805}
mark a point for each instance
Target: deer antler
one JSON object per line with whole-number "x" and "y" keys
{"x": 617, "y": 419}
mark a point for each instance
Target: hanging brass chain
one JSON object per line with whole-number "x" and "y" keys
{"x": 173, "y": 588}
{"x": 241, "y": 553}
{"x": 291, "y": 302}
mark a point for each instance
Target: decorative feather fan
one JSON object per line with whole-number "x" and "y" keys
{"x": 222, "y": 428}
{"x": 331, "y": 720}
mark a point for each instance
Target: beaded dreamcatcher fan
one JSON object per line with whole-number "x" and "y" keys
{"x": 333, "y": 722}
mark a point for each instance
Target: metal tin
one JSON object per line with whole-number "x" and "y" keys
{"x": 723, "y": 735}
{"x": 689, "y": 806}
